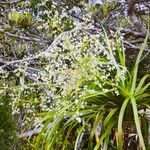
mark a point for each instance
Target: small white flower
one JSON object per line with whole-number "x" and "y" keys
{"x": 78, "y": 119}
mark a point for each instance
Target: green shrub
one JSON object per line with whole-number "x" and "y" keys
{"x": 8, "y": 125}
{"x": 115, "y": 102}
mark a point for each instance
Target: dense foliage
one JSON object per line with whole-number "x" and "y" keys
{"x": 74, "y": 70}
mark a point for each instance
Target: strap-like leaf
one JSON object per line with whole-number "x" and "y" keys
{"x": 141, "y": 83}
{"x": 109, "y": 116}
{"x": 135, "y": 71}
{"x": 120, "y": 121}
{"x": 121, "y": 54}
{"x": 106, "y": 142}
{"x": 137, "y": 123}
{"x": 145, "y": 87}
{"x": 111, "y": 52}
{"x": 98, "y": 118}
{"x": 112, "y": 122}
{"x": 79, "y": 134}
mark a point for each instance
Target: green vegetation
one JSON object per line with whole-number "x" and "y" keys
{"x": 8, "y": 128}
{"x": 74, "y": 74}
{"x": 118, "y": 104}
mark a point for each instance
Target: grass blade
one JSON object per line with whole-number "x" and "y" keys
{"x": 121, "y": 55}
{"x": 135, "y": 71}
{"x": 137, "y": 123}
{"x": 96, "y": 122}
{"x": 120, "y": 121}
{"x": 79, "y": 133}
{"x": 141, "y": 83}
{"x": 106, "y": 142}
{"x": 109, "y": 116}
{"x": 108, "y": 129}
{"x": 111, "y": 52}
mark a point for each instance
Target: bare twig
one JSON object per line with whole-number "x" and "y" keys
{"x": 135, "y": 34}
{"x": 129, "y": 45}
{"x": 10, "y": 2}
{"x": 22, "y": 37}
{"x": 47, "y": 51}
{"x": 31, "y": 132}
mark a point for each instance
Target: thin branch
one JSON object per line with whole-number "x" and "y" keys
{"x": 10, "y": 2}
{"x": 127, "y": 31}
{"x": 31, "y": 133}
{"x": 22, "y": 37}
{"x": 47, "y": 51}
{"x": 129, "y": 45}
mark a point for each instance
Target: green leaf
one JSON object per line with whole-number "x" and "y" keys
{"x": 141, "y": 83}
{"x": 137, "y": 123}
{"x": 109, "y": 116}
{"x": 14, "y": 16}
{"x": 105, "y": 134}
{"x": 89, "y": 97}
{"x": 98, "y": 118}
{"x": 28, "y": 16}
{"x": 111, "y": 52}
{"x": 121, "y": 54}
{"x": 135, "y": 71}
{"x": 106, "y": 142}
{"x": 79, "y": 134}
{"x": 120, "y": 121}
{"x": 145, "y": 87}
{"x": 148, "y": 106}
{"x": 68, "y": 133}
{"x": 52, "y": 130}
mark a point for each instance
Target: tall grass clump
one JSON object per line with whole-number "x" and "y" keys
{"x": 105, "y": 105}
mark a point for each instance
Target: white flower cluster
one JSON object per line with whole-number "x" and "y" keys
{"x": 75, "y": 66}
{"x": 56, "y": 17}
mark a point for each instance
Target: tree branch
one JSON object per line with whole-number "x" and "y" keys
{"x": 135, "y": 34}
{"x": 22, "y": 37}
{"x": 129, "y": 45}
{"x": 10, "y": 2}
{"x": 31, "y": 132}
